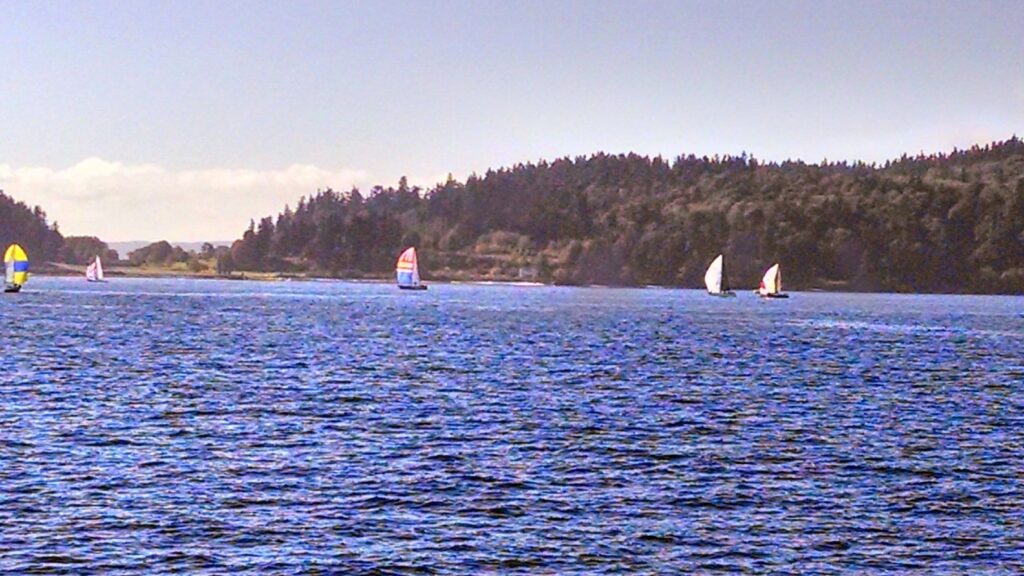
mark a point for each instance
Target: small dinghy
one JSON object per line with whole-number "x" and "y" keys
{"x": 771, "y": 284}
{"x": 94, "y": 271}
{"x": 716, "y": 280}
{"x": 407, "y": 271}
{"x": 15, "y": 268}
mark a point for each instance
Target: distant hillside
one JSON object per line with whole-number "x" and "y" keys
{"x": 123, "y": 248}
{"x": 948, "y": 222}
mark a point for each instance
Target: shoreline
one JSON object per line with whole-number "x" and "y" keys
{"x": 66, "y": 271}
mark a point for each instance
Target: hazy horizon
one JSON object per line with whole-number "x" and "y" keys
{"x": 143, "y": 122}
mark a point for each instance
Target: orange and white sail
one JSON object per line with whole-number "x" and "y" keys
{"x": 407, "y": 269}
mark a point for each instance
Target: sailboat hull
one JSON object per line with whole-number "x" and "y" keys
{"x": 726, "y": 294}
{"x": 11, "y": 288}
{"x": 419, "y": 287}
{"x": 774, "y": 296}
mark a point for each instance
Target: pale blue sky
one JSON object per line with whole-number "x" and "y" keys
{"x": 183, "y": 119}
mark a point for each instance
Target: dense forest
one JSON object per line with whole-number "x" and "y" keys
{"x": 947, "y": 222}
{"x": 28, "y": 227}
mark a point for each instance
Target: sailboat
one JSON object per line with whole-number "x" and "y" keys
{"x": 716, "y": 280}
{"x": 15, "y": 268}
{"x": 771, "y": 284}
{"x": 94, "y": 271}
{"x": 407, "y": 271}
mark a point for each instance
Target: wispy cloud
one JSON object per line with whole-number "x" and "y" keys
{"x": 118, "y": 201}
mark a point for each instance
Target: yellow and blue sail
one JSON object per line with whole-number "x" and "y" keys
{"x": 16, "y": 265}
{"x": 407, "y": 270}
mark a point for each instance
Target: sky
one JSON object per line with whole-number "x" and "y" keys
{"x": 181, "y": 120}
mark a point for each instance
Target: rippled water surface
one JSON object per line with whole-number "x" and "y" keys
{"x": 201, "y": 427}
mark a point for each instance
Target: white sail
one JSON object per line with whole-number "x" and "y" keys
{"x": 772, "y": 282}
{"x": 713, "y": 277}
{"x": 94, "y": 271}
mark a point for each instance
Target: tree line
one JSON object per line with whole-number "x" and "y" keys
{"x": 940, "y": 223}
{"x": 28, "y": 227}
{"x": 951, "y": 222}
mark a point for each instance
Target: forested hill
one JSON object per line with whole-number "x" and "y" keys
{"x": 28, "y": 227}
{"x": 948, "y": 223}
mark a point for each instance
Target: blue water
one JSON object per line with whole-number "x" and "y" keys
{"x": 202, "y": 427}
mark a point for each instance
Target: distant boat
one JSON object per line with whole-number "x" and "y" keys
{"x": 15, "y": 268}
{"x": 94, "y": 271}
{"x": 407, "y": 271}
{"x": 771, "y": 284}
{"x": 716, "y": 280}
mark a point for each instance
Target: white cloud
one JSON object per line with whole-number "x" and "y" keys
{"x": 118, "y": 201}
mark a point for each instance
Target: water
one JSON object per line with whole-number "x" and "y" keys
{"x": 174, "y": 426}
